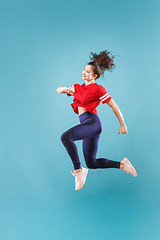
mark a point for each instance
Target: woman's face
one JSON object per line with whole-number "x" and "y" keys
{"x": 88, "y": 74}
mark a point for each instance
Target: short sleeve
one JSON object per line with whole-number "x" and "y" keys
{"x": 68, "y": 94}
{"x": 103, "y": 95}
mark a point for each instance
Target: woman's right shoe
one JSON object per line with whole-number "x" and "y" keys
{"x": 80, "y": 178}
{"x": 128, "y": 168}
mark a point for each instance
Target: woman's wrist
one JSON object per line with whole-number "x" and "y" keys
{"x": 64, "y": 89}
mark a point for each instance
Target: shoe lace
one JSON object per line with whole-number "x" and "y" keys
{"x": 75, "y": 175}
{"x": 125, "y": 170}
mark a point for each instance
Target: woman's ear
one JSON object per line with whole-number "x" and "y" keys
{"x": 95, "y": 76}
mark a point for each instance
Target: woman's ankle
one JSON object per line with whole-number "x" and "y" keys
{"x": 121, "y": 165}
{"x": 78, "y": 170}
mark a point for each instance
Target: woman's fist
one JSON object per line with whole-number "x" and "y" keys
{"x": 123, "y": 129}
{"x": 70, "y": 90}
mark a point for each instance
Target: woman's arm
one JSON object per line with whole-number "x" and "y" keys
{"x": 116, "y": 110}
{"x": 69, "y": 90}
{"x": 62, "y": 89}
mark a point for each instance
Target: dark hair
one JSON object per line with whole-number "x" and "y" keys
{"x": 101, "y": 62}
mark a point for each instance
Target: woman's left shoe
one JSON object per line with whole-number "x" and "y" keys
{"x": 128, "y": 168}
{"x": 80, "y": 178}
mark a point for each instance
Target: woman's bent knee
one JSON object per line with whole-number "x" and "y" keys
{"x": 90, "y": 162}
{"x": 90, "y": 165}
{"x": 66, "y": 135}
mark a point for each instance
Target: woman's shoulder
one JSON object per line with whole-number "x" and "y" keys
{"x": 99, "y": 87}
{"x": 96, "y": 85}
{"x": 76, "y": 84}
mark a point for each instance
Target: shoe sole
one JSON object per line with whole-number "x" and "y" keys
{"x": 84, "y": 181}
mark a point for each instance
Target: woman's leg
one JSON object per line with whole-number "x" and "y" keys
{"x": 88, "y": 128}
{"x": 90, "y": 147}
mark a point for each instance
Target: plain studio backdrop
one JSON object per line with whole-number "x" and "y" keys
{"x": 46, "y": 44}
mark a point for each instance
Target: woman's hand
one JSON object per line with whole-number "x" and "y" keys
{"x": 123, "y": 129}
{"x": 70, "y": 90}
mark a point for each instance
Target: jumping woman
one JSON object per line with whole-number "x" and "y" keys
{"x": 86, "y": 98}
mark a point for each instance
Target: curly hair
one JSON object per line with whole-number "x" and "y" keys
{"x": 101, "y": 62}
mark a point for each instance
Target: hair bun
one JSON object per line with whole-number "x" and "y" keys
{"x": 103, "y": 61}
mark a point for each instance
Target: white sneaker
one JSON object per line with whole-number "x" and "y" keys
{"x": 80, "y": 178}
{"x": 128, "y": 168}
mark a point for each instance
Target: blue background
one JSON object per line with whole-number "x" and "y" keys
{"x": 44, "y": 45}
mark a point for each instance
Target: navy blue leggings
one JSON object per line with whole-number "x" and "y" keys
{"x": 89, "y": 131}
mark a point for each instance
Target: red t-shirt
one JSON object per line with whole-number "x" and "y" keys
{"x": 89, "y": 97}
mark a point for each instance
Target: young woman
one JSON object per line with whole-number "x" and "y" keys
{"x": 86, "y": 98}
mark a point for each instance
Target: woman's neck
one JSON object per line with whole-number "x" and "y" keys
{"x": 90, "y": 82}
